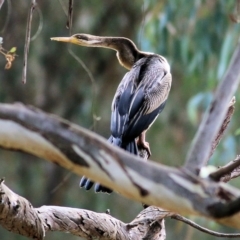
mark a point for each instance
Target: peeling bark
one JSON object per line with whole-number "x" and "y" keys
{"x": 19, "y": 216}
{"x": 224, "y": 126}
{"x": 201, "y": 145}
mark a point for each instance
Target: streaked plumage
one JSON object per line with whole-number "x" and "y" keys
{"x": 140, "y": 96}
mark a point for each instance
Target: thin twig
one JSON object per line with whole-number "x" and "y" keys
{"x": 226, "y": 171}
{"x": 27, "y": 40}
{"x": 1, "y": 3}
{"x": 64, "y": 8}
{"x": 40, "y": 25}
{"x": 202, "y": 229}
{"x": 214, "y": 116}
{"x": 69, "y": 174}
{"x": 95, "y": 117}
{"x": 9, "y": 9}
{"x": 70, "y": 15}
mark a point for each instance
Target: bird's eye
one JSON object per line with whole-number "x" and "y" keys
{"x": 82, "y": 37}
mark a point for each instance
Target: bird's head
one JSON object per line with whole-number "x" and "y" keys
{"x": 81, "y": 39}
{"x": 127, "y": 52}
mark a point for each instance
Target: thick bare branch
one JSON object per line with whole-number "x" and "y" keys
{"x": 17, "y": 215}
{"x": 85, "y": 153}
{"x": 213, "y": 119}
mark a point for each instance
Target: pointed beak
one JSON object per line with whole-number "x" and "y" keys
{"x": 65, "y": 39}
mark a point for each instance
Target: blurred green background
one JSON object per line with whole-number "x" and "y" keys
{"x": 198, "y": 39}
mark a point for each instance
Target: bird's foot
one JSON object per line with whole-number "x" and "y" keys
{"x": 144, "y": 145}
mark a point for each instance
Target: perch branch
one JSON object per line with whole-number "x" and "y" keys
{"x": 85, "y": 153}
{"x": 210, "y": 125}
{"x": 19, "y": 216}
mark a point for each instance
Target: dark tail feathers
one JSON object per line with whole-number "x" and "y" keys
{"x": 130, "y": 147}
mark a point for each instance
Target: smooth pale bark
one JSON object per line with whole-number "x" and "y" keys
{"x": 85, "y": 153}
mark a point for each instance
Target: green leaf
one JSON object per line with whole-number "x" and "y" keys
{"x": 13, "y": 50}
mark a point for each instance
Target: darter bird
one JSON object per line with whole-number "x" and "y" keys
{"x": 140, "y": 96}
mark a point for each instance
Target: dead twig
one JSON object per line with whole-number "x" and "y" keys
{"x": 70, "y": 15}
{"x": 224, "y": 125}
{"x": 27, "y": 40}
{"x": 202, "y": 229}
{"x": 227, "y": 172}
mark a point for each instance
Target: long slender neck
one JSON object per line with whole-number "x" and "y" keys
{"x": 127, "y": 52}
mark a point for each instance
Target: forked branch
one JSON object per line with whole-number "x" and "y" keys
{"x": 201, "y": 146}
{"x": 19, "y": 216}
{"x": 85, "y": 153}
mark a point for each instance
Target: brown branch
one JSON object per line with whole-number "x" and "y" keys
{"x": 19, "y": 216}
{"x": 202, "y": 229}
{"x": 201, "y": 146}
{"x": 224, "y": 126}
{"x": 227, "y": 172}
{"x": 70, "y": 16}
{"x": 27, "y": 40}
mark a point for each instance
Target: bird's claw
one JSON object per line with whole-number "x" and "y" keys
{"x": 145, "y": 146}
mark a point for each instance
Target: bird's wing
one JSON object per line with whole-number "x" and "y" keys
{"x": 139, "y": 99}
{"x": 121, "y": 103}
{"x": 158, "y": 92}
{"x": 148, "y": 101}
{"x": 124, "y": 91}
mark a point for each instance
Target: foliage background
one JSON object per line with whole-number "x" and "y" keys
{"x": 198, "y": 39}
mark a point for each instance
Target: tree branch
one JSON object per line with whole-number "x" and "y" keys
{"x": 18, "y": 215}
{"x": 85, "y": 153}
{"x": 227, "y": 172}
{"x": 224, "y": 126}
{"x": 213, "y": 119}
{"x": 27, "y": 40}
{"x": 202, "y": 229}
